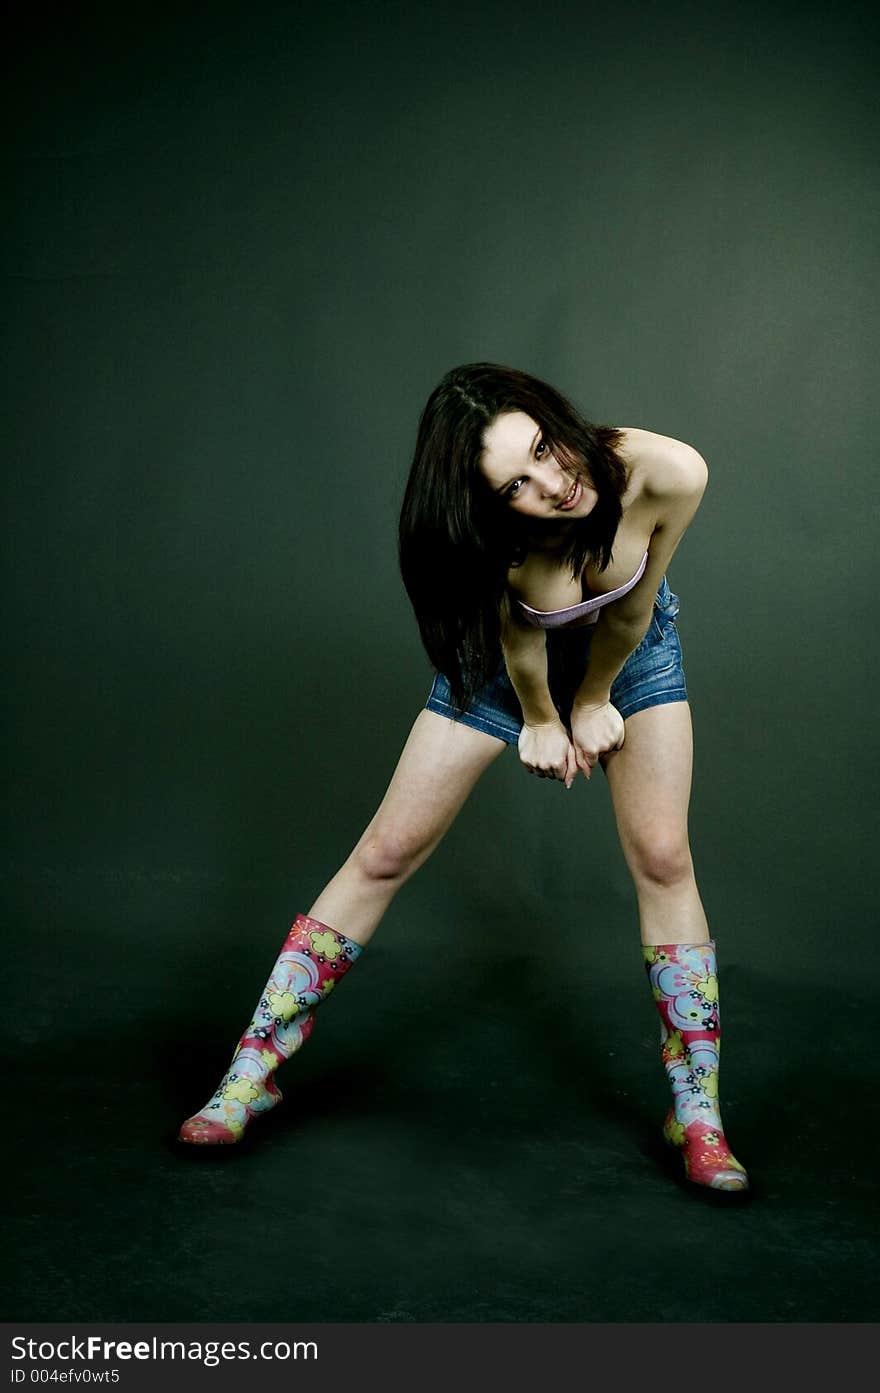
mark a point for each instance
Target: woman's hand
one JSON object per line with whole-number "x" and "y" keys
{"x": 546, "y": 750}
{"x": 594, "y": 731}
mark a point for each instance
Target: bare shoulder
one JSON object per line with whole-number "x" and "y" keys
{"x": 661, "y": 467}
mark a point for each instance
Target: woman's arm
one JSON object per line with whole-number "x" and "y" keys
{"x": 525, "y": 656}
{"x": 675, "y": 485}
{"x": 544, "y": 745}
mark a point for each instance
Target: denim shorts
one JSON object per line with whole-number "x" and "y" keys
{"x": 651, "y": 676}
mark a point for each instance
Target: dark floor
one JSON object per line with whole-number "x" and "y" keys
{"x": 467, "y": 1137}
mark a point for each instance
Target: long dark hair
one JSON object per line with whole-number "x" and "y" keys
{"x": 457, "y": 540}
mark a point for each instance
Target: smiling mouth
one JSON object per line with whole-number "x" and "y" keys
{"x": 570, "y": 498}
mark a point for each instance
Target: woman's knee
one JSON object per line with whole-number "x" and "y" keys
{"x": 388, "y": 855}
{"x": 661, "y": 859}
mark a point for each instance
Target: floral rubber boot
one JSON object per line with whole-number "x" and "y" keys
{"x": 310, "y": 963}
{"x": 684, "y": 982}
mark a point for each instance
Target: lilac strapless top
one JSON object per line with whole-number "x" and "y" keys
{"x": 577, "y": 615}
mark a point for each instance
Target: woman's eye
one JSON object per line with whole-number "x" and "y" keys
{"x": 541, "y": 445}
{"x": 514, "y": 487}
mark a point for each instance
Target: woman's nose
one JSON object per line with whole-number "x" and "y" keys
{"x": 551, "y": 482}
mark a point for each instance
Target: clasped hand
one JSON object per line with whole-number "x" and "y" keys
{"x": 552, "y": 752}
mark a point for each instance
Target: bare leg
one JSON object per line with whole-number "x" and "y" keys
{"x": 438, "y": 767}
{"x": 650, "y": 782}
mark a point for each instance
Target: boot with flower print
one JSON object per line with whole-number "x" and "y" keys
{"x": 684, "y": 982}
{"x": 310, "y": 963}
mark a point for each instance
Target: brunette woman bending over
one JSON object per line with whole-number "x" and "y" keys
{"x": 534, "y": 547}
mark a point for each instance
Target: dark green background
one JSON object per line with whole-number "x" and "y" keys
{"x": 242, "y": 243}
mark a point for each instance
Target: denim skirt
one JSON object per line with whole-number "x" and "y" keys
{"x": 651, "y": 676}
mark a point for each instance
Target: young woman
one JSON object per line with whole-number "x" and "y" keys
{"x": 533, "y": 546}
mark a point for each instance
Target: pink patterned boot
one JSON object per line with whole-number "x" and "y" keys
{"x": 309, "y": 965}
{"x": 684, "y": 982}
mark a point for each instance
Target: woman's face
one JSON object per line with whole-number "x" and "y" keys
{"x": 525, "y": 476}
